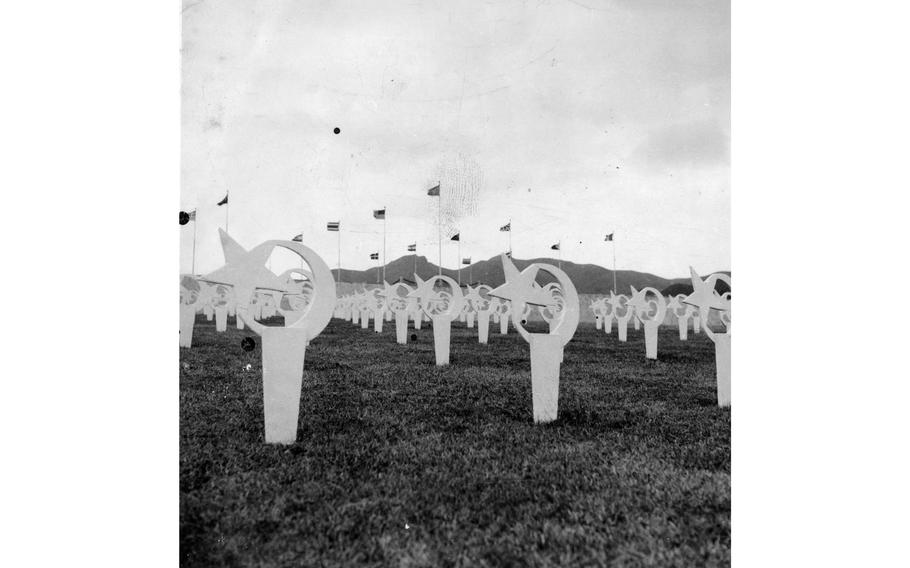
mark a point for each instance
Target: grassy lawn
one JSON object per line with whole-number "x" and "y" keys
{"x": 401, "y": 463}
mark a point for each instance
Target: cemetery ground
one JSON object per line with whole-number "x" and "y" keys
{"x": 402, "y": 463}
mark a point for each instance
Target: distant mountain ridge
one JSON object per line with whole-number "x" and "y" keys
{"x": 588, "y": 278}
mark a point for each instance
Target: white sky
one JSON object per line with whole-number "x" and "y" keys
{"x": 584, "y": 118}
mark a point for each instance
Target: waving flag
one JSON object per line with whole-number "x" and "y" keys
{"x": 379, "y": 213}
{"x": 555, "y": 247}
{"x": 506, "y": 227}
{"x": 374, "y": 256}
{"x": 609, "y": 237}
{"x": 466, "y": 260}
{"x": 298, "y": 238}
{"x": 412, "y": 248}
{"x": 434, "y": 191}
{"x": 333, "y": 225}
{"x": 457, "y": 237}
{"x": 223, "y": 201}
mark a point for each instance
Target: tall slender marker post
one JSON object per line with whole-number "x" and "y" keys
{"x": 385, "y": 260}
{"x": 704, "y": 298}
{"x": 195, "y": 224}
{"x": 614, "y": 266}
{"x": 459, "y": 259}
{"x": 546, "y": 348}
{"x": 283, "y": 348}
{"x": 431, "y": 303}
{"x": 439, "y": 225}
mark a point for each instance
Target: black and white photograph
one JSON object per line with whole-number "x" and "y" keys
{"x": 455, "y": 283}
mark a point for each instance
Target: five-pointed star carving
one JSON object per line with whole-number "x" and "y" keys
{"x": 614, "y": 300}
{"x": 231, "y": 248}
{"x": 424, "y": 292}
{"x": 520, "y": 287}
{"x": 245, "y": 270}
{"x": 673, "y": 303}
{"x": 639, "y": 302}
{"x": 391, "y": 296}
{"x": 386, "y": 290}
{"x": 703, "y": 296}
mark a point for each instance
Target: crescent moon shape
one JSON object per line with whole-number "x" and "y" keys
{"x": 319, "y": 311}
{"x": 661, "y": 305}
{"x": 375, "y": 299}
{"x": 679, "y": 299}
{"x": 455, "y": 304}
{"x": 725, "y": 315}
{"x": 566, "y": 327}
{"x": 478, "y": 302}
{"x": 391, "y": 295}
{"x": 550, "y": 313}
{"x": 712, "y": 279}
{"x": 622, "y": 305}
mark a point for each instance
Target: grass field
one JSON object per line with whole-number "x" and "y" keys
{"x": 401, "y": 463}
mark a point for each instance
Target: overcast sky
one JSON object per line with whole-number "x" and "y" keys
{"x": 572, "y": 118}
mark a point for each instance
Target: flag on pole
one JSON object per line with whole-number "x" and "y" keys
{"x": 374, "y": 256}
{"x": 508, "y": 254}
{"x": 379, "y": 213}
{"x": 506, "y": 227}
{"x": 466, "y": 260}
{"x": 434, "y": 191}
{"x": 333, "y": 225}
{"x": 298, "y": 238}
{"x": 609, "y": 237}
{"x": 457, "y": 237}
{"x": 412, "y": 248}
{"x": 555, "y": 247}
{"x": 223, "y": 201}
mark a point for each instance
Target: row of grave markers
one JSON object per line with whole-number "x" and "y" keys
{"x": 244, "y": 287}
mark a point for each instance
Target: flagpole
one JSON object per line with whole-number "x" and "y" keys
{"x": 339, "y": 252}
{"x": 195, "y": 224}
{"x": 415, "y": 260}
{"x": 559, "y": 244}
{"x": 439, "y": 225}
{"x": 459, "y": 259}
{"x": 227, "y": 212}
{"x": 614, "y": 266}
{"x": 385, "y": 260}
{"x": 510, "y": 237}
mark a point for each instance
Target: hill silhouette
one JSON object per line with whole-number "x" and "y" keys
{"x": 588, "y": 278}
